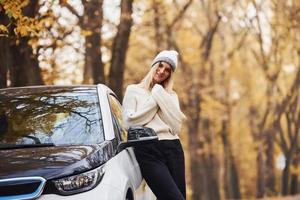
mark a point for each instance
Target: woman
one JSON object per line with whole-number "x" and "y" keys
{"x": 153, "y": 103}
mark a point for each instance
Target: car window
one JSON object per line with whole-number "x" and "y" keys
{"x": 60, "y": 117}
{"x": 116, "y": 110}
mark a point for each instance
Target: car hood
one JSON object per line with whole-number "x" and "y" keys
{"x": 53, "y": 162}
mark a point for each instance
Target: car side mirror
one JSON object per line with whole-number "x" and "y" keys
{"x": 138, "y": 135}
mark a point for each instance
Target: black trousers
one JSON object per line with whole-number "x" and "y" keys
{"x": 162, "y": 166}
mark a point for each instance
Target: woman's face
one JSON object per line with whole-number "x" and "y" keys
{"x": 162, "y": 73}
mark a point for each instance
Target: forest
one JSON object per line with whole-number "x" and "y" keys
{"x": 238, "y": 78}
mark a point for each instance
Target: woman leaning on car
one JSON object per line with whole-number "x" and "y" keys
{"x": 153, "y": 103}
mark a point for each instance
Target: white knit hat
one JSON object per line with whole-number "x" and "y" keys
{"x": 168, "y": 56}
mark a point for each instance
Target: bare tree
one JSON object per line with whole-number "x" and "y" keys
{"x": 204, "y": 185}
{"x": 264, "y": 134}
{"x": 289, "y": 108}
{"x": 91, "y": 22}
{"x": 157, "y": 21}
{"x": 119, "y": 49}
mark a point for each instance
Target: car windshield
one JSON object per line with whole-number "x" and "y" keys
{"x": 53, "y": 116}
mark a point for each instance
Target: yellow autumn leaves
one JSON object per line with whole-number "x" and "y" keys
{"x": 18, "y": 23}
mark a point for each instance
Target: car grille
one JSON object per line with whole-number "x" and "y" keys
{"x": 21, "y": 188}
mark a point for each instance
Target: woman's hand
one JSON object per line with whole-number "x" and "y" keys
{"x": 158, "y": 86}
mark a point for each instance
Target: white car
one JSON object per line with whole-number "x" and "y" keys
{"x": 67, "y": 143}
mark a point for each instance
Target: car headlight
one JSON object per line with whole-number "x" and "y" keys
{"x": 80, "y": 182}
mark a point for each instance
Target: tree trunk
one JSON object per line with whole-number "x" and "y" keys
{"x": 269, "y": 144}
{"x": 157, "y": 26}
{"x": 258, "y": 133}
{"x": 211, "y": 164}
{"x": 285, "y": 184}
{"x": 5, "y": 58}
{"x": 260, "y": 176}
{"x": 5, "y": 61}
{"x": 204, "y": 182}
{"x": 196, "y": 173}
{"x": 294, "y": 184}
{"x": 203, "y": 165}
{"x": 202, "y": 188}
{"x": 270, "y": 172}
{"x": 92, "y": 21}
{"x": 294, "y": 178}
{"x": 195, "y": 145}
{"x": 260, "y": 180}
{"x": 213, "y": 168}
{"x": 209, "y": 176}
{"x": 231, "y": 180}
{"x": 25, "y": 69}
{"x": 119, "y": 49}
{"x": 285, "y": 177}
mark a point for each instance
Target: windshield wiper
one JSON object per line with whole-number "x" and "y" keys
{"x": 21, "y": 146}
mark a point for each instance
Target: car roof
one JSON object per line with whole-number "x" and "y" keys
{"x": 47, "y": 87}
{"x": 51, "y": 88}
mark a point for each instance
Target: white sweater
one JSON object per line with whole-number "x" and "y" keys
{"x": 157, "y": 109}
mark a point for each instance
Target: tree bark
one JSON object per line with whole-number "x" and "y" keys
{"x": 260, "y": 175}
{"x": 157, "y": 26}
{"x": 231, "y": 180}
{"x": 214, "y": 169}
{"x": 5, "y": 61}
{"x": 269, "y": 142}
{"x": 201, "y": 178}
{"x": 21, "y": 62}
{"x": 195, "y": 145}
{"x": 294, "y": 189}
{"x": 25, "y": 69}
{"x": 260, "y": 137}
{"x": 119, "y": 49}
{"x": 294, "y": 184}
{"x": 211, "y": 164}
{"x": 270, "y": 172}
{"x": 92, "y": 21}
{"x": 204, "y": 165}
{"x": 285, "y": 177}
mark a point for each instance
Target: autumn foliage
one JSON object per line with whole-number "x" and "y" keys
{"x": 17, "y": 24}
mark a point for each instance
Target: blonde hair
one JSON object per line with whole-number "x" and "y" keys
{"x": 146, "y": 83}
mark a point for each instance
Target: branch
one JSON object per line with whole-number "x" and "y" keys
{"x": 70, "y": 8}
{"x": 295, "y": 86}
{"x": 238, "y": 46}
{"x": 264, "y": 119}
{"x": 282, "y": 142}
{"x": 289, "y": 126}
{"x": 180, "y": 14}
{"x": 260, "y": 39}
{"x": 297, "y": 129}
{"x": 208, "y": 39}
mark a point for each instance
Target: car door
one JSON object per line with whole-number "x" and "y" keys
{"x": 129, "y": 162}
